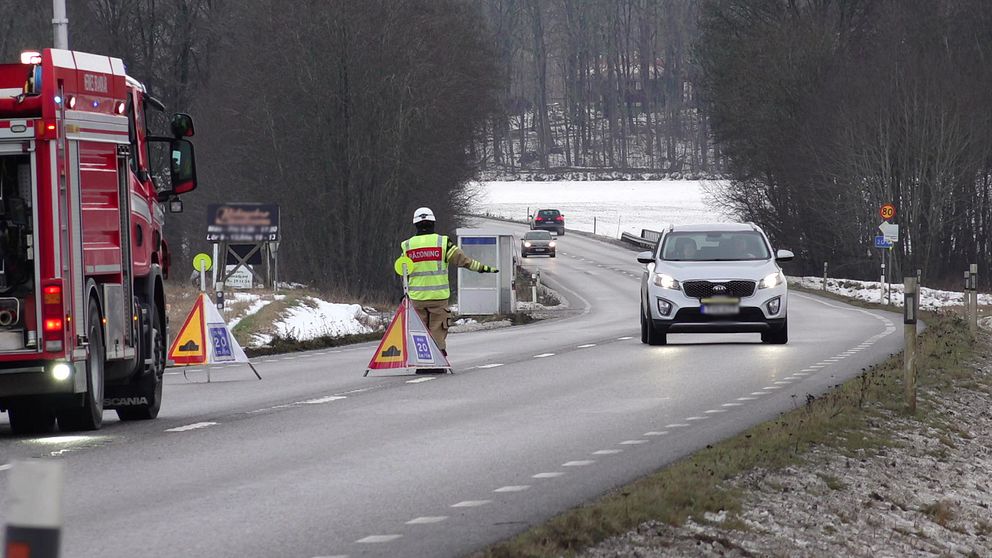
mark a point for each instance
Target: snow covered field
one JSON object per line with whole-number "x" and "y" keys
{"x": 620, "y": 206}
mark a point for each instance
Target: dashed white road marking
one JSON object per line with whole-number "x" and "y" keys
{"x": 371, "y": 539}
{"x": 586, "y": 346}
{"x": 514, "y": 488}
{"x": 817, "y": 366}
{"x": 715, "y": 411}
{"x": 654, "y": 433}
{"x": 731, "y": 405}
{"x": 579, "y": 463}
{"x": 676, "y": 425}
{"x": 772, "y": 387}
{"x": 696, "y": 418}
{"x": 757, "y": 393}
{"x": 801, "y": 374}
{"x": 547, "y": 475}
{"x": 5, "y": 466}
{"x": 471, "y": 503}
{"x": 624, "y": 338}
{"x": 419, "y": 380}
{"x": 749, "y": 398}
{"x": 808, "y": 370}
{"x": 427, "y": 519}
{"x": 493, "y": 365}
{"x": 320, "y": 400}
{"x": 194, "y": 426}
{"x": 335, "y": 556}
{"x": 544, "y": 355}
{"x": 633, "y": 442}
{"x": 607, "y": 452}
{"x": 782, "y": 382}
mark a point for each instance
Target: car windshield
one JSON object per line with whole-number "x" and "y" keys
{"x": 714, "y": 246}
{"x": 537, "y": 235}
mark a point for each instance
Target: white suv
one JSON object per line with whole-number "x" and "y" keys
{"x": 718, "y": 278}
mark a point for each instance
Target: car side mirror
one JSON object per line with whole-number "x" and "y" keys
{"x": 783, "y": 256}
{"x": 646, "y": 257}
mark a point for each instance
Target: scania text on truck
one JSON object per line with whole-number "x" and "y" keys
{"x": 83, "y": 185}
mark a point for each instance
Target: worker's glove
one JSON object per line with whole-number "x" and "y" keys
{"x": 487, "y": 269}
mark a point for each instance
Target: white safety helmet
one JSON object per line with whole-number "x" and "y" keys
{"x": 423, "y": 214}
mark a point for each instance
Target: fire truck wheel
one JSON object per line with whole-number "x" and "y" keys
{"x": 149, "y": 385}
{"x": 31, "y": 419}
{"x": 90, "y": 415}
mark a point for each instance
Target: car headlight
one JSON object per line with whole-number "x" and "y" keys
{"x": 666, "y": 281}
{"x": 526, "y": 244}
{"x": 772, "y": 280}
{"x": 552, "y": 244}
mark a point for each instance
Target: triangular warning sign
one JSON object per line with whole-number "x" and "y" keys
{"x": 190, "y": 345}
{"x": 407, "y": 344}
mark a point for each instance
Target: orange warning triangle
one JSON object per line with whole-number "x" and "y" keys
{"x": 189, "y": 347}
{"x": 408, "y": 344}
{"x": 392, "y": 349}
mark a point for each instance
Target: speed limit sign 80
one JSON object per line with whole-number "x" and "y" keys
{"x": 887, "y": 211}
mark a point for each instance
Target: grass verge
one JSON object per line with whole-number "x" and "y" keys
{"x": 849, "y": 419}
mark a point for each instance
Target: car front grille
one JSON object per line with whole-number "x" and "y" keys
{"x": 706, "y": 289}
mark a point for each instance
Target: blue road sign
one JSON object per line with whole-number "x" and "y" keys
{"x": 423, "y": 348}
{"x": 880, "y": 242}
{"x": 221, "y": 342}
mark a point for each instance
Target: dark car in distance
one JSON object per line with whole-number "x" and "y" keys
{"x": 538, "y": 242}
{"x": 548, "y": 220}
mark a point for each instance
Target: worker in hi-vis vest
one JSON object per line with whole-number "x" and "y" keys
{"x": 429, "y": 291}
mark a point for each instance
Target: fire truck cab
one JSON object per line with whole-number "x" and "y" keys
{"x": 83, "y": 182}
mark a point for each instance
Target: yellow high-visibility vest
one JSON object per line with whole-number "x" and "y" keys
{"x": 429, "y": 278}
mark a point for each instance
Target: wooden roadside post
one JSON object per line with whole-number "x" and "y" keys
{"x": 911, "y": 302}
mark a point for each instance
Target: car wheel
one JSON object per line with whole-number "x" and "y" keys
{"x": 89, "y": 416}
{"x": 553, "y": 254}
{"x": 149, "y": 385}
{"x": 561, "y": 231}
{"x": 779, "y": 336}
{"x": 650, "y": 334}
{"x": 523, "y": 254}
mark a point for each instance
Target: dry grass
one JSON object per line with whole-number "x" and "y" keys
{"x": 849, "y": 418}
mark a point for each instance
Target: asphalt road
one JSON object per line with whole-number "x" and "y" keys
{"x": 316, "y": 460}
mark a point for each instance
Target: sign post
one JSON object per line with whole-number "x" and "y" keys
{"x": 243, "y": 230}
{"x": 202, "y": 263}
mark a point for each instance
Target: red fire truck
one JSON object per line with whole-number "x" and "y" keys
{"x": 83, "y": 182}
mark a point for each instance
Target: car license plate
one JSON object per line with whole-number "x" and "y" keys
{"x": 720, "y": 309}
{"x": 539, "y": 249}
{"x": 720, "y": 306}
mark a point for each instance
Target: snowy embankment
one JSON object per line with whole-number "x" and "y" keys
{"x": 871, "y": 291}
{"x": 617, "y": 206}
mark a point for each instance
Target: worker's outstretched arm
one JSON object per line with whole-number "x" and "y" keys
{"x": 458, "y": 258}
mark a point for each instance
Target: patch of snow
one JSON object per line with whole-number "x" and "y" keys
{"x": 627, "y": 206}
{"x": 314, "y": 318}
{"x": 473, "y": 325}
{"x": 253, "y": 309}
{"x": 871, "y": 291}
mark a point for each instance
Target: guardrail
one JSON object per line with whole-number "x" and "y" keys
{"x": 637, "y": 241}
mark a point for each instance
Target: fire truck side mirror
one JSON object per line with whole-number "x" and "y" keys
{"x": 182, "y": 126}
{"x": 182, "y": 167}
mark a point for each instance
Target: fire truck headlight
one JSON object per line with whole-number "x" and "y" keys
{"x": 120, "y": 107}
{"x": 71, "y": 102}
{"x": 61, "y": 371}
